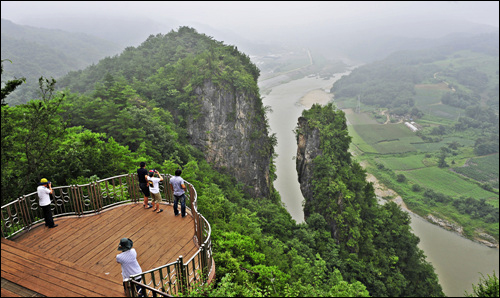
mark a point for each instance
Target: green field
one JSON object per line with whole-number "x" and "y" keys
{"x": 432, "y": 147}
{"x": 483, "y": 169}
{"x": 429, "y": 101}
{"x": 406, "y": 163}
{"x": 425, "y": 97}
{"x": 388, "y": 138}
{"x": 446, "y": 182}
{"x": 359, "y": 142}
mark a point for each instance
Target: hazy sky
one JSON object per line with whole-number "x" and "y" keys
{"x": 238, "y": 15}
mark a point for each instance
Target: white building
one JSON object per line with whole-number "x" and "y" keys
{"x": 411, "y": 126}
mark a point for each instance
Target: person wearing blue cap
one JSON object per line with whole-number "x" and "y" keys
{"x": 44, "y": 190}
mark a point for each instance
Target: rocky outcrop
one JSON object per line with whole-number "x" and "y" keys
{"x": 445, "y": 224}
{"x": 230, "y": 129}
{"x": 308, "y": 143}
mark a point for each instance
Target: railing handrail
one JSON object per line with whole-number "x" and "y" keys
{"x": 23, "y": 213}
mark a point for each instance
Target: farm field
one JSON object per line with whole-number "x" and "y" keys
{"x": 446, "y": 182}
{"x": 405, "y": 163}
{"x": 387, "y": 138}
{"x": 449, "y": 167}
{"x": 398, "y": 150}
{"x": 484, "y": 169}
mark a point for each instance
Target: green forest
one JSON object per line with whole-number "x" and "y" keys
{"x": 52, "y": 53}
{"x": 102, "y": 121}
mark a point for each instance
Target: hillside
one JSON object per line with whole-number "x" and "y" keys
{"x": 36, "y": 52}
{"x": 448, "y": 169}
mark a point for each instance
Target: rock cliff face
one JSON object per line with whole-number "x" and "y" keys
{"x": 231, "y": 131}
{"x": 308, "y": 142}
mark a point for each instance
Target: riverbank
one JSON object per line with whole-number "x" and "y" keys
{"x": 318, "y": 96}
{"x": 385, "y": 194}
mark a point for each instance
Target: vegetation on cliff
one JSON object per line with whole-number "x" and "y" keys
{"x": 375, "y": 242}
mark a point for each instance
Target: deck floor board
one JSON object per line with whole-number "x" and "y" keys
{"x": 50, "y": 276}
{"x": 91, "y": 241}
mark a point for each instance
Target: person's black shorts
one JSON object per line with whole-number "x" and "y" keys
{"x": 145, "y": 189}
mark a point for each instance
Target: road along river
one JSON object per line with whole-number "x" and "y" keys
{"x": 457, "y": 261}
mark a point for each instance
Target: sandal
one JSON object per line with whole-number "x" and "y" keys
{"x": 161, "y": 210}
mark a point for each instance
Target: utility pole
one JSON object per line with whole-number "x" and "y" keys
{"x": 358, "y": 108}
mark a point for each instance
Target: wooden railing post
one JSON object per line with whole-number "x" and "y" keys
{"x": 170, "y": 193}
{"x": 203, "y": 265}
{"x": 183, "y": 277}
{"x": 128, "y": 288}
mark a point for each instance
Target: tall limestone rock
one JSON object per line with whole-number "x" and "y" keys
{"x": 231, "y": 130}
{"x": 324, "y": 167}
{"x": 308, "y": 142}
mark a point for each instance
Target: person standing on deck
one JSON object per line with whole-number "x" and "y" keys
{"x": 44, "y": 190}
{"x": 155, "y": 189}
{"x": 179, "y": 189}
{"x": 142, "y": 174}
{"x": 130, "y": 266}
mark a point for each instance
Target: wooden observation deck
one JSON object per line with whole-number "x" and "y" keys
{"x": 78, "y": 257}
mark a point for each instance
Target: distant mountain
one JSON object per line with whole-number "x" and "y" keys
{"x": 36, "y": 52}
{"x": 368, "y": 40}
{"x": 124, "y": 31}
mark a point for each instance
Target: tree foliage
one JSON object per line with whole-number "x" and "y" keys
{"x": 375, "y": 242}
{"x": 487, "y": 287}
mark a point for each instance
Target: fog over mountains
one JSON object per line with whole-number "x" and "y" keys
{"x": 356, "y": 30}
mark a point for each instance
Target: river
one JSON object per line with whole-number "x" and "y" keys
{"x": 457, "y": 260}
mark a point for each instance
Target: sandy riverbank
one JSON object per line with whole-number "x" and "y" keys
{"x": 315, "y": 96}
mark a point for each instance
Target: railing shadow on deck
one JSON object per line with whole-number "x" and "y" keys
{"x": 170, "y": 279}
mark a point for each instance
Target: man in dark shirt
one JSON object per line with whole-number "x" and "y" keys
{"x": 142, "y": 174}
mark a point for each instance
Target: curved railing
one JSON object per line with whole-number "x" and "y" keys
{"x": 24, "y": 213}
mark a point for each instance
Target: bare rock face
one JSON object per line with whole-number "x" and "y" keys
{"x": 308, "y": 142}
{"x": 231, "y": 131}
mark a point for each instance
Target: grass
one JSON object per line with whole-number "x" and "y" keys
{"x": 483, "y": 169}
{"x": 358, "y": 141}
{"x": 405, "y": 163}
{"x": 446, "y": 182}
{"x": 387, "y": 138}
{"x": 433, "y": 147}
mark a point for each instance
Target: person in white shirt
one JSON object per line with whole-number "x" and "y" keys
{"x": 44, "y": 190}
{"x": 154, "y": 189}
{"x": 128, "y": 261}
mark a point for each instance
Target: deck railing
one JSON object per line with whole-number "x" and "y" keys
{"x": 24, "y": 213}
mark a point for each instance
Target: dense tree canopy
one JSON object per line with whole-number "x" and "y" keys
{"x": 375, "y": 242}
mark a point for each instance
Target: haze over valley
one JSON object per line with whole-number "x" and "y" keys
{"x": 237, "y": 87}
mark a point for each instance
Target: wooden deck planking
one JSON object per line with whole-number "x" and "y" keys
{"x": 51, "y": 276}
{"x": 92, "y": 241}
{"x": 7, "y": 293}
